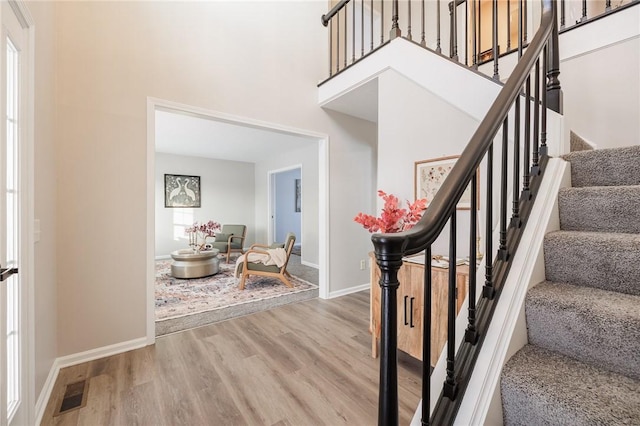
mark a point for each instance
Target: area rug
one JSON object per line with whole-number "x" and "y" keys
{"x": 182, "y": 304}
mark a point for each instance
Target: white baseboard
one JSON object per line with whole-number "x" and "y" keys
{"x": 349, "y": 290}
{"x": 309, "y": 264}
{"x": 163, "y": 257}
{"x": 79, "y": 358}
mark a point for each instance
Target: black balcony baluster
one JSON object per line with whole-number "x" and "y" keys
{"x": 479, "y": 32}
{"x": 494, "y": 22}
{"x": 409, "y": 21}
{"x": 524, "y": 22}
{"x": 471, "y": 334}
{"x": 353, "y": 32}
{"x": 474, "y": 45}
{"x": 607, "y": 5}
{"x": 438, "y": 48}
{"x": 503, "y": 254}
{"x": 346, "y": 15}
{"x": 338, "y": 42}
{"x": 371, "y": 13}
{"x": 330, "y": 48}
{"x": 395, "y": 29}
{"x": 520, "y": 29}
{"x": 562, "y": 13}
{"x": 423, "y": 40}
{"x": 450, "y": 388}
{"x": 508, "y": 25}
{"x": 454, "y": 35}
{"x": 426, "y": 338}
{"x": 381, "y": 22}
{"x": 584, "y": 11}
{"x": 361, "y": 28}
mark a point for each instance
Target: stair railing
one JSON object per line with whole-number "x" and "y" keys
{"x": 529, "y": 133}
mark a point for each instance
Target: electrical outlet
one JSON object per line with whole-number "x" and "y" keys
{"x": 363, "y": 264}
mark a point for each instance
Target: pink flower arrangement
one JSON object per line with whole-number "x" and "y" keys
{"x": 199, "y": 232}
{"x": 393, "y": 218}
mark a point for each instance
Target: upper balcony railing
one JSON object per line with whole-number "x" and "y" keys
{"x": 475, "y": 33}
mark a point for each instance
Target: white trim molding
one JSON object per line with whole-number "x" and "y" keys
{"x": 349, "y": 290}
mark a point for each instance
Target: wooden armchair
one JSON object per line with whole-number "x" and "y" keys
{"x": 247, "y": 268}
{"x": 230, "y": 239}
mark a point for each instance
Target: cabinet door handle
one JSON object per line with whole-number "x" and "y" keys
{"x": 411, "y": 325}
{"x": 405, "y": 310}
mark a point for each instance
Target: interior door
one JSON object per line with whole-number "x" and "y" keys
{"x": 13, "y": 365}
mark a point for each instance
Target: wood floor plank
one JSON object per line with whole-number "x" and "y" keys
{"x": 307, "y": 363}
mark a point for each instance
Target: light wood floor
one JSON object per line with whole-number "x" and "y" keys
{"x": 302, "y": 364}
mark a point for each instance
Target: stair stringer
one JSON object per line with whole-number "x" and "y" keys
{"x": 508, "y": 331}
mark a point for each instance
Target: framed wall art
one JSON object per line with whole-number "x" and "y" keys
{"x": 298, "y": 190}
{"x": 181, "y": 191}
{"x": 430, "y": 174}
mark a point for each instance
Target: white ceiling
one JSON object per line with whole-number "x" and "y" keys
{"x": 197, "y": 136}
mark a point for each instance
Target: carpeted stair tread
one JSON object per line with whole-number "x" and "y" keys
{"x": 600, "y": 208}
{"x": 541, "y": 387}
{"x": 595, "y": 326}
{"x": 594, "y": 259}
{"x": 605, "y": 167}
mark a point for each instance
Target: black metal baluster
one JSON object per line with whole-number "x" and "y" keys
{"x": 607, "y": 5}
{"x": 353, "y": 32}
{"x": 471, "y": 334}
{"x": 562, "y": 13}
{"x": 508, "y": 25}
{"x": 395, "y": 29}
{"x": 423, "y": 40}
{"x": 409, "y": 25}
{"x": 535, "y": 170}
{"x": 489, "y": 290}
{"x": 438, "y": 49}
{"x": 543, "y": 129}
{"x": 361, "y": 28}
{"x": 426, "y": 339}
{"x": 494, "y": 23}
{"x": 503, "y": 254}
{"x": 346, "y": 15}
{"x": 479, "y": 22}
{"x": 388, "y": 394}
{"x": 584, "y": 11}
{"x": 474, "y": 31}
{"x": 450, "y": 386}
{"x": 520, "y": 29}
{"x": 515, "y": 210}
{"x": 454, "y": 38}
{"x": 338, "y": 42}
{"x": 526, "y": 190}
{"x": 371, "y": 16}
{"x": 466, "y": 33}
{"x": 381, "y": 22}
{"x": 330, "y": 47}
{"x": 524, "y": 23}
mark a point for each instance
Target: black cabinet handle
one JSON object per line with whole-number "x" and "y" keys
{"x": 411, "y": 312}
{"x": 7, "y": 272}
{"x": 405, "y": 310}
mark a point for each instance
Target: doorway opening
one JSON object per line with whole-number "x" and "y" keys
{"x": 233, "y": 162}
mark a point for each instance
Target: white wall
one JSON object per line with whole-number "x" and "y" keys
{"x": 260, "y": 60}
{"x": 226, "y": 188}
{"x": 45, "y": 308}
{"x": 426, "y": 127}
{"x": 307, "y": 157}
{"x": 287, "y": 219}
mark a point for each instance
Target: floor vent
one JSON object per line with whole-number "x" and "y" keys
{"x": 75, "y": 396}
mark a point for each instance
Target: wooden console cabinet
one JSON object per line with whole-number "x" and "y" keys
{"x": 410, "y": 298}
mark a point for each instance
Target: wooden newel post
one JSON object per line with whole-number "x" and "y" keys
{"x": 389, "y": 258}
{"x": 554, "y": 89}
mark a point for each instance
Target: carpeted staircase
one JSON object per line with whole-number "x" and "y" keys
{"x": 582, "y": 363}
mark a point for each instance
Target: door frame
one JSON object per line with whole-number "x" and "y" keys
{"x": 154, "y": 104}
{"x": 271, "y": 203}
{"x": 26, "y": 209}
